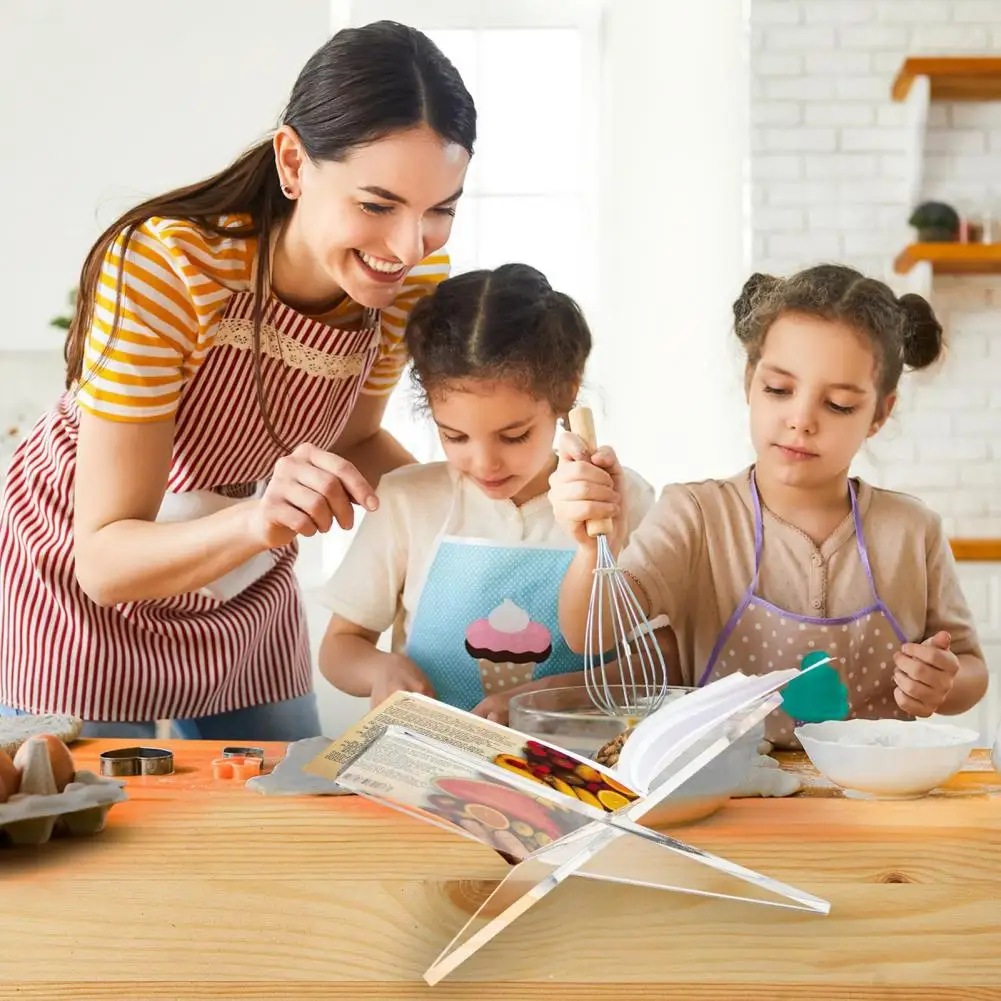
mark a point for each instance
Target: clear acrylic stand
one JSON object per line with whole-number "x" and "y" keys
{"x": 555, "y": 836}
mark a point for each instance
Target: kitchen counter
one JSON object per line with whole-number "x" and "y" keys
{"x": 202, "y": 889}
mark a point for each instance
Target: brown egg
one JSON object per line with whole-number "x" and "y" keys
{"x": 10, "y": 777}
{"x": 60, "y": 758}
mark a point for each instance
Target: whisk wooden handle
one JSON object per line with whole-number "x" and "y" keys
{"x": 582, "y": 425}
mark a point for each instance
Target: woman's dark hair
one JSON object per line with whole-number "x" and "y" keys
{"x": 505, "y": 324}
{"x": 902, "y": 331}
{"x": 361, "y": 85}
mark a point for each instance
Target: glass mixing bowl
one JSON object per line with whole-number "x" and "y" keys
{"x": 567, "y": 717}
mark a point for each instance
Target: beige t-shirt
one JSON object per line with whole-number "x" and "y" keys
{"x": 380, "y": 579}
{"x": 694, "y": 557}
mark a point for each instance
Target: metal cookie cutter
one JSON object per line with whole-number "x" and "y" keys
{"x": 137, "y": 761}
{"x": 238, "y": 763}
{"x": 243, "y": 752}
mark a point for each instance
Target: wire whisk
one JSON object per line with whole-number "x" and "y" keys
{"x": 624, "y": 669}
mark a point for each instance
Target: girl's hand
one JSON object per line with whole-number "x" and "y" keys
{"x": 309, "y": 491}
{"x": 924, "y": 675}
{"x": 398, "y": 674}
{"x": 495, "y": 707}
{"x": 586, "y": 487}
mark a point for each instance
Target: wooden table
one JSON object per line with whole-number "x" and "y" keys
{"x": 201, "y": 889}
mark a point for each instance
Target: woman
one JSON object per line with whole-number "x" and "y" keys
{"x": 228, "y": 335}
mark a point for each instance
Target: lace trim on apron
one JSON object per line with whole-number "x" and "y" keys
{"x": 239, "y": 333}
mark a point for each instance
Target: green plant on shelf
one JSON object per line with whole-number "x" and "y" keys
{"x": 935, "y": 222}
{"x": 63, "y": 322}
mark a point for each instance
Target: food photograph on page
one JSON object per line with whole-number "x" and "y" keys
{"x": 513, "y": 822}
{"x": 504, "y": 818}
{"x": 422, "y": 776}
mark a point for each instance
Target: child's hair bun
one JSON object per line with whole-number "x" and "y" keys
{"x": 755, "y": 287}
{"x": 922, "y": 332}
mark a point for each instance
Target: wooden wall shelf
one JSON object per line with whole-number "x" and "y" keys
{"x": 952, "y": 78}
{"x": 951, "y": 258}
{"x": 976, "y": 550}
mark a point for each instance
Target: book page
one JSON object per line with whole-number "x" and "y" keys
{"x": 663, "y": 736}
{"x": 452, "y": 789}
{"x": 483, "y": 741}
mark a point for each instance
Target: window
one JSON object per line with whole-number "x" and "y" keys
{"x": 531, "y": 191}
{"x": 532, "y": 67}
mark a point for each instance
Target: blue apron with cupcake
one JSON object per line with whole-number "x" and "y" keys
{"x": 486, "y": 620}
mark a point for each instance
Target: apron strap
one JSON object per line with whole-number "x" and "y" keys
{"x": 758, "y": 529}
{"x": 863, "y": 550}
{"x": 860, "y": 544}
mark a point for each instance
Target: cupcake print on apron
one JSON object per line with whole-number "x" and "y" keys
{"x": 507, "y": 645}
{"x": 487, "y": 619}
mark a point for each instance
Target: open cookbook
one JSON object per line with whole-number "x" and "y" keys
{"x": 553, "y": 812}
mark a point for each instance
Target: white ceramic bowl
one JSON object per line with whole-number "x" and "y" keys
{"x": 886, "y": 758}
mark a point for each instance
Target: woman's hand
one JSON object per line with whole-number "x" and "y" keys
{"x": 586, "y": 487}
{"x": 309, "y": 491}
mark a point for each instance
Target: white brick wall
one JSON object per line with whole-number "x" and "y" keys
{"x": 828, "y": 184}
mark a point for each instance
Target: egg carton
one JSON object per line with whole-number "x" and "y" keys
{"x": 39, "y": 810}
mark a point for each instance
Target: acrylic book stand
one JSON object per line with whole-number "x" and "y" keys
{"x": 408, "y": 771}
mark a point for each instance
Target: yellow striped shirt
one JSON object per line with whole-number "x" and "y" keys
{"x": 175, "y": 284}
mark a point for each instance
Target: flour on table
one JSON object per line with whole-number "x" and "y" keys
{"x": 766, "y": 778}
{"x": 287, "y": 777}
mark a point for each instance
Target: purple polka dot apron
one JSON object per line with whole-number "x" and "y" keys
{"x": 761, "y": 637}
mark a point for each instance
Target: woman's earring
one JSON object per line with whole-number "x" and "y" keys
{"x": 287, "y": 190}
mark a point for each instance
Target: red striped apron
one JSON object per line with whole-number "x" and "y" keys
{"x": 189, "y": 655}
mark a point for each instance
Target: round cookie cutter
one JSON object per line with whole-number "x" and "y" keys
{"x": 137, "y": 761}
